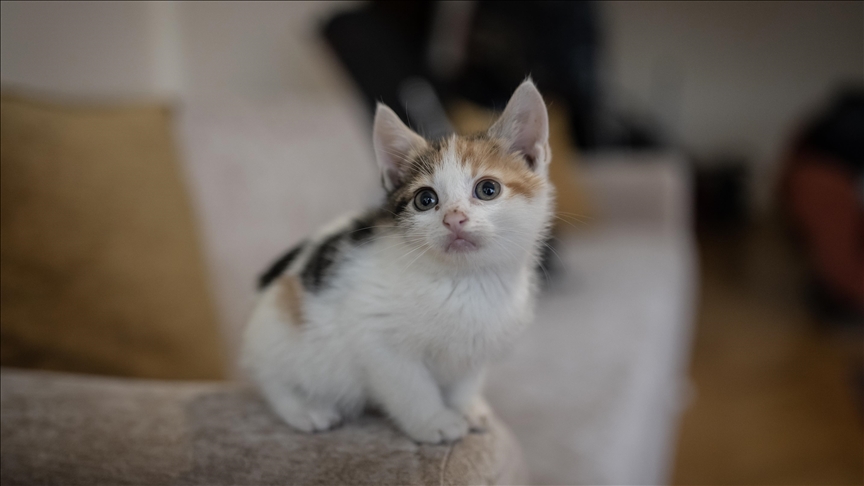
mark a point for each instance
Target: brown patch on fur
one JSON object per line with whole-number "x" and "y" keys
{"x": 290, "y": 299}
{"x": 487, "y": 157}
{"x": 527, "y": 188}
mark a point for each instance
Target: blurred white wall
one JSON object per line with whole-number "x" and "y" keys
{"x": 256, "y": 48}
{"x": 722, "y": 77}
{"x": 166, "y": 48}
{"x": 89, "y": 48}
{"x": 732, "y": 77}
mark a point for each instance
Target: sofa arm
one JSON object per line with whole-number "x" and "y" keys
{"x": 75, "y": 429}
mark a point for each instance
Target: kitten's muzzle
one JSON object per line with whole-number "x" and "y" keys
{"x": 458, "y": 239}
{"x": 460, "y": 242}
{"x": 455, "y": 220}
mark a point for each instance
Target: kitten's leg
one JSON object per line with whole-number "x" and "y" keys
{"x": 464, "y": 395}
{"x": 297, "y": 412}
{"x": 409, "y": 394}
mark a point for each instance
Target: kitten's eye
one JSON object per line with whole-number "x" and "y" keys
{"x": 425, "y": 199}
{"x": 487, "y": 189}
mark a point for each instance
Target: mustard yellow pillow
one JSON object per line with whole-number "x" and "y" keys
{"x": 101, "y": 268}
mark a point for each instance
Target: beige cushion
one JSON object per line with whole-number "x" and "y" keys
{"x": 74, "y": 429}
{"x": 101, "y": 267}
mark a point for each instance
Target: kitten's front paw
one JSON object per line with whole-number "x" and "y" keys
{"x": 445, "y": 426}
{"x": 309, "y": 419}
{"x": 477, "y": 415}
{"x": 324, "y": 419}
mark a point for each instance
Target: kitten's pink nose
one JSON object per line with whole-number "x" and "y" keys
{"x": 455, "y": 220}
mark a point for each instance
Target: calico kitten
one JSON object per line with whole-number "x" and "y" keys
{"x": 399, "y": 307}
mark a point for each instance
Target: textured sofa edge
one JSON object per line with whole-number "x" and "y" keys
{"x": 70, "y": 428}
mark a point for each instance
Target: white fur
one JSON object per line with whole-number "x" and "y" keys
{"x": 404, "y": 324}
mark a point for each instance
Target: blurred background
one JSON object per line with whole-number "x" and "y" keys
{"x": 709, "y": 159}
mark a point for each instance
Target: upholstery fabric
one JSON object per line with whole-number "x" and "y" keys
{"x": 71, "y": 429}
{"x": 101, "y": 267}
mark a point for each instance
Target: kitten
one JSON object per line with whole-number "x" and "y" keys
{"x": 399, "y": 307}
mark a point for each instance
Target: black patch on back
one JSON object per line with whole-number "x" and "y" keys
{"x": 324, "y": 260}
{"x": 278, "y": 267}
{"x": 318, "y": 266}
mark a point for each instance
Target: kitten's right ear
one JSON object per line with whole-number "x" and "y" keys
{"x": 394, "y": 142}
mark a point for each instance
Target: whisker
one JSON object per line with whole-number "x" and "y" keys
{"x": 377, "y": 238}
{"x": 410, "y": 252}
{"x": 368, "y": 228}
{"x": 545, "y": 273}
{"x": 420, "y": 242}
{"x": 416, "y": 258}
{"x": 564, "y": 220}
{"x": 401, "y": 155}
{"x": 578, "y": 217}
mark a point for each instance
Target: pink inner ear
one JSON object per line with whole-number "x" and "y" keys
{"x": 524, "y": 125}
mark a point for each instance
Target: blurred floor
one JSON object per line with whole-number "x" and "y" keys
{"x": 774, "y": 400}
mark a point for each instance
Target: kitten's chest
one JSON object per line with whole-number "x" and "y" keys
{"x": 457, "y": 317}
{"x": 468, "y": 316}
{"x": 478, "y": 301}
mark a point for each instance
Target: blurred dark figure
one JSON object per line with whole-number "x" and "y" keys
{"x": 407, "y": 54}
{"x": 824, "y": 198}
{"x": 721, "y": 193}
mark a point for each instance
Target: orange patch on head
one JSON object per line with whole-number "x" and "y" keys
{"x": 290, "y": 299}
{"x": 527, "y": 187}
{"x": 487, "y": 158}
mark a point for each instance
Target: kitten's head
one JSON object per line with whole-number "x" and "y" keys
{"x": 478, "y": 200}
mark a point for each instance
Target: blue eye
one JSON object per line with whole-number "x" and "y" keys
{"x": 487, "y": 189}
{"x": 425, "y": 199}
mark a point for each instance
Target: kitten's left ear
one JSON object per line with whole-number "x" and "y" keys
{"x": 524, "y": 126}
{"x": 394, "y": 142}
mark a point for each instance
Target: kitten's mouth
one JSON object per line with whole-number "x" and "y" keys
{"x": 460, "y": 244}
